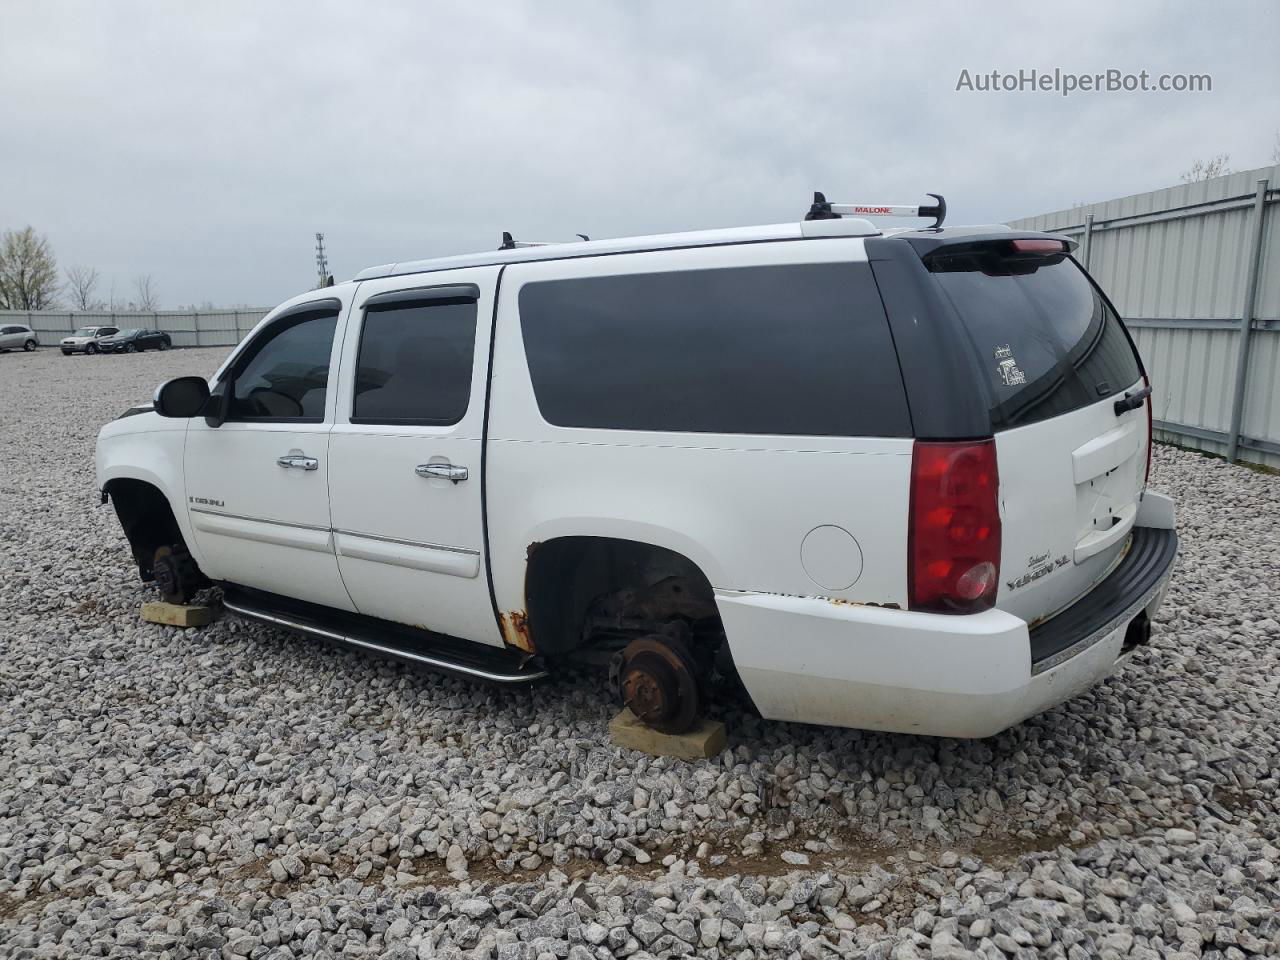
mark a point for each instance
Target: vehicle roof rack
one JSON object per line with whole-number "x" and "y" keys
{"x": 511, "y": 243}
{"x": 824, "y": 210}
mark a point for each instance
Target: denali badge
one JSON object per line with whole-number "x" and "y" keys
{"x": 206, "y": 503}
{"x": 1041, "y": 566}
{"x": 1008, "y": 368}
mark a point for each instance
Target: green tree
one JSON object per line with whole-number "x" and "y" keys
{"x": 28, "y": 271}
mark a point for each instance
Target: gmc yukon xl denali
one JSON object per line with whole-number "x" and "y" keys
{"x": 889, "y": 479}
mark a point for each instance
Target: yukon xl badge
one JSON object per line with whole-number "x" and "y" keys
{"x": 1040, "y": 566}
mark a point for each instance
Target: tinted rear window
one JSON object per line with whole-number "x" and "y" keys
{"x": 1046, "y": 340}
{"x": 796, "y": 349}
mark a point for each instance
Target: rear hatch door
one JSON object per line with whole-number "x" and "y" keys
{"x": 1052, "y": 359}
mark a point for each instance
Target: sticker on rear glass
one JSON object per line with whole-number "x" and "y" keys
{"x": 1008, "y": 368}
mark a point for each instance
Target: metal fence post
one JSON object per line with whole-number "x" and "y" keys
{"x": 1086, "y": 245}
{"x": 1246, "y": 322}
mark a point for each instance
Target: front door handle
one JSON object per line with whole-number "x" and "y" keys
{"x": 441, "y": 471}
{"x": 298, "y": 461}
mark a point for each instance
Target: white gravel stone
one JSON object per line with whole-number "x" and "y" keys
{"x": 239, "y": 791}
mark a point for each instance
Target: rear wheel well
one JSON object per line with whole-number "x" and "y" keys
{"x": 147, "y": 519}
{"x": 567, "y": 577}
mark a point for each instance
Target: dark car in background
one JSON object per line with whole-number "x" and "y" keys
{"x": 135, "y": 341}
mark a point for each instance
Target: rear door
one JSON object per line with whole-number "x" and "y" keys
{"x": 1054, "y": 359}
{"x": 405, "y": 482}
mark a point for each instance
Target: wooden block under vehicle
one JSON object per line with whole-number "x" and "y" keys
{"x": 176, "y": 615}
{"x": 705, "y": 740}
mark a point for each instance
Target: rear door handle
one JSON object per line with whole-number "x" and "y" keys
{"x": 298, "y": 461}
{"x": 441, "y": 471}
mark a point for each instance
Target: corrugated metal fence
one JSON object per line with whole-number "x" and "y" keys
{"x": 1189, "y": 267}
{"x": 188, "y": 328}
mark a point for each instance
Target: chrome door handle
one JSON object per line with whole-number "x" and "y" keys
{"x": 298, "y": 461}
{"x": 441, "y": 471}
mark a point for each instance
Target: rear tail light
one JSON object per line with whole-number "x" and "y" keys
{"x": 1151, "y": 437}
{"x": 953, "y": 549}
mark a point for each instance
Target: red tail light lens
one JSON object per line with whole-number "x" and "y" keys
{"x": 953, "y": 563}
{"x": 1151, "y": 436}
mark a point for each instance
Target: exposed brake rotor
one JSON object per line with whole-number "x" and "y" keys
{"x": 657, "y": 679}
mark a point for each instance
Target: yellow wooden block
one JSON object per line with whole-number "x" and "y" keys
{"x": 176, "y": 615}
{"x": 705, "y": 740}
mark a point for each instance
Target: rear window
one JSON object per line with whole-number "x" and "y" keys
{"x": 1046, "y": 339}
{"x": 791, "y": 349}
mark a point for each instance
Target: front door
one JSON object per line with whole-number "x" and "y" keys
{"x": 257, "y": 485}
{"x": 405, "y": 452}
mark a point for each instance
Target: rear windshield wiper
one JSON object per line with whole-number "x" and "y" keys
{"x": 1132, "y": 401}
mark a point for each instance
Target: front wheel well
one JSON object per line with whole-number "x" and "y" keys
{"x": 147, "y": 519}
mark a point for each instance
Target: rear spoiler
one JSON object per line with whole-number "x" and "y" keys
{"x": 925, "y": 242}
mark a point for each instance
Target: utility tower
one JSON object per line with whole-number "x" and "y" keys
{"x": 322, "y": 261}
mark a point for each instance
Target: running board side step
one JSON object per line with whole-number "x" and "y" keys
{"x": 437, "y": 651}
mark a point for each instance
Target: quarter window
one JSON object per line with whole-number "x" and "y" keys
{"x": 800, "y": 349}
{"x": 285, "y": 375}
{"x": 415, "y": 362}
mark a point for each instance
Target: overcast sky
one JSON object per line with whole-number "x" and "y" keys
{"x": 206, "y": 143}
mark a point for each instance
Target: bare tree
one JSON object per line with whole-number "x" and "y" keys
{"x": 1208, "y": 169}
{"x": 28, "y": 271}
{"x": 145, "y": 297}
{"x": 81, "y": 282}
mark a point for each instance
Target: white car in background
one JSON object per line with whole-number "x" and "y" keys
{"x": 891, "y": 479}
{"x": 15, "y": 336}
{"x": 85, "y": 340}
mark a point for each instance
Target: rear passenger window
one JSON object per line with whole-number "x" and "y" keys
{"x": 798, "y": 349}
{"x": 415, "y": 362}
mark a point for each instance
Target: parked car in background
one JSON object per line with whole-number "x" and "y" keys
{"x": 17, "y": 337}
{"x": 86, "y": 340}
{"x": 135, "y": 341}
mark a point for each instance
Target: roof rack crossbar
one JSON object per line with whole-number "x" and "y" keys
{"x": 511, "y": 243}
{"x": 822, "y": 209}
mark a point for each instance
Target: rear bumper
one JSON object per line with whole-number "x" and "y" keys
{"x": 811, "y": 660}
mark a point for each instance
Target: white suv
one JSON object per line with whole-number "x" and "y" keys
{"x": 893, "y": 480}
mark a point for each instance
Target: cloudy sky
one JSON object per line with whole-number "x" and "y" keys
{"x": 206, "y": 143}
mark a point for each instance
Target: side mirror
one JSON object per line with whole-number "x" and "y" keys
{"x": 182, "y": 398}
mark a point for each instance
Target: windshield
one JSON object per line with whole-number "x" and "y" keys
{"x": 85, "y": 332}
{"x": 127, "y": 333}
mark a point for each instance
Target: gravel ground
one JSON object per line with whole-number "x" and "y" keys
{"x": 237, "y": 791}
